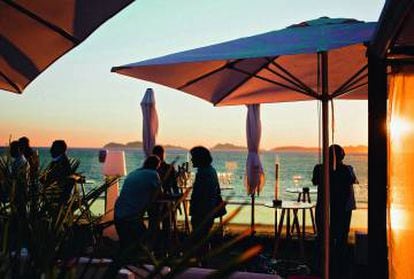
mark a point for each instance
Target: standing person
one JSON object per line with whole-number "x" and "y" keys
{"x": 205, "y": 194}
{"x": 31, "y": 156}
{"x": 139, "y": 191}
{"x": 342, "y": 202}
{"x": 166, "y": 171}
{"x": 163, "y": 213}
{"x": 20, "y": 168}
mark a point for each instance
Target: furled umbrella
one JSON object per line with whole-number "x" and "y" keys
{"x": 149, "y": 121}
{"x": 286, "y": 65}
{"x": 33, "y": 34}
{"x": 254, "y": 178}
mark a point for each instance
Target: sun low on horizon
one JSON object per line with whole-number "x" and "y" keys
{"x": 79, "y": 100}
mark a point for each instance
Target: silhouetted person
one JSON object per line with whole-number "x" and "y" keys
{"x": 20, "y": 167}
{"x": 17, "y": 196}
{"x": 170, "y": 189}
{"x": 59, "y": 171}
{"x": 204, "y": 197}
{"x": 31, "y": 155}
{"x": 166, "y": 171}
{"x": 342, "y": 202}
{"x": 139, "y": 191}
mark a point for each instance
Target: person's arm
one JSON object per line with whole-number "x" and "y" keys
{"x": 352, "y": 176}
{"x": 174, "y": 185}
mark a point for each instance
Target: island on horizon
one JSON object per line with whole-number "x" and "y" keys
{"x": 137, "y": 144}
{"x": 232, "y": 147}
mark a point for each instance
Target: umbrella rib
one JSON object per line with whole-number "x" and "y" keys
{"x": 14, "y": 85}
{"x": 350, "y": 84}
{"x": 349, "y": 81}
{"x": 349, "y": 90}
{"x": 237, "y": 86}
{"x": 37, "y": 18}
{"x": 228, "y": 64}
{"x": 295, "y": 81}
{"x": 272, "y": 81}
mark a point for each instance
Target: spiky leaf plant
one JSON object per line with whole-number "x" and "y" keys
{"x": 41, "y": 235}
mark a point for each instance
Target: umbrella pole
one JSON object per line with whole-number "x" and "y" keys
{"x": 325, "y": 156}
{"x": 252, "y": 225}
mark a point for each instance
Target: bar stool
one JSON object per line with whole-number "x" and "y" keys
{"x": 304, "y": 196}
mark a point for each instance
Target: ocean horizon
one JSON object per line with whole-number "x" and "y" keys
{"x": 295, "y": 170}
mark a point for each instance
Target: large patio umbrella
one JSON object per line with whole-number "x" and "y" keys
{"x": 33, "y": 34}
{"x": 149, "y": 121}
{"x": 254, "y": 170}
{"x": 279, "y": 66}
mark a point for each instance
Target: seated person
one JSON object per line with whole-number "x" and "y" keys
{"x": 58, "y": 173}
{"x": 141, "y": 187}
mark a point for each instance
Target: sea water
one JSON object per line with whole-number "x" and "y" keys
{"x": 295, "y": 170}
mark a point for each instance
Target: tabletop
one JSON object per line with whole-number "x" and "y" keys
{"x": 292, "y": 205}
{"x": 298, "y": 190}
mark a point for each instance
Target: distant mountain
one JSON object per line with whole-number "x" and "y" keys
{"x": 228, "y": 146}
{"x": 114, "y": 145}
{"x": 348, "y": 149}
{"x": 356, "y": 149}
{"x": 294, "y": 149}
{"x": 136, "y": 144}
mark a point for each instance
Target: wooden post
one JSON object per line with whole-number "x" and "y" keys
{"x": 377, "y": 168}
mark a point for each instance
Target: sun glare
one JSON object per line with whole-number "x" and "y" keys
{"x": 398, "y": 128}
{"x": 397, "y": 218}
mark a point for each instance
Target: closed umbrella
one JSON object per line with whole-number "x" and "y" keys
{"x": 254, "y": 170}
{"x": 149, "y": 121}
{"x": 286, "y": 65}
{"x": 33, "y": 34}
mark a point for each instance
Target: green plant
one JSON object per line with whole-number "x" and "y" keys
{"x": 42, "y": 234}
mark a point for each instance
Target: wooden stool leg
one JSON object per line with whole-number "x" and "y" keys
{"x": 313, "y": 220}
{"x": 308, "y": 197}
{"x": 301, "y": 248}
{"x": 288, "y": 234}
{"x": 303, "y": 223}
{"x": 278, "y": 233}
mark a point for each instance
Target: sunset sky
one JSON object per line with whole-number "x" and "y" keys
{"x": 78, "y": 99}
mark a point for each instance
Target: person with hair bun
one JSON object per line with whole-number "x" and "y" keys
{"x": 342, "y": 201}
{"x": 205, "y": 194}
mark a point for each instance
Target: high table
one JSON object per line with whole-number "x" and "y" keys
{"x": 287, "y": 208}
{"x": 304, "y": 196}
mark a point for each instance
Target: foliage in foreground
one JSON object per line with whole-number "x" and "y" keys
{"x": 43, "y": 237}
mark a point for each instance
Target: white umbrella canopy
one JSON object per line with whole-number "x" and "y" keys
{"x": 149, "y": 121}
{"x": 254, "y": 169}
{"x": 254, "y": 178}
{"x": 35, "y": 33}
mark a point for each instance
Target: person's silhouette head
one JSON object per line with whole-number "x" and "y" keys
{"x": 15, "y": 150}
{"x": 58, "y": 148}
{"x": 159, "y": 151}
{"x": 24, "y": 143}
{"x": 200, "y": 156}
{"x": 336, "y": 155}
{"x": 151, "y": 162}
